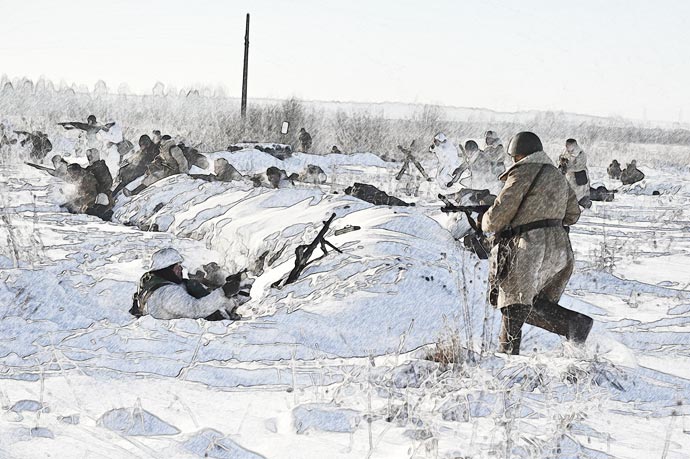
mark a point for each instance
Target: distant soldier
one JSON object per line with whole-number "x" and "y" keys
{"x": 336, "y": 150}
{"x": 312, "y": 174}
{"x": 278, "y": 178}
{"x": 373, "y": 195}
{"x": 59, "y": 167}
{"x": 224, "y": 171}
{"x": 614, "y": 170}
{"x": 448, "y": 159}
{"x": 104, "y": 182}
{"x": 631, "y": 174}
{"x": 90, "y": 130}
{"x": 40, "y": 144}
{"x": 304, "y": 140}
{"x": 194, "y": 158}
{"x": 479, "y": 166}
{"x": 90, "y": 127}
{"x": 533, "y": 259}
{"x": 99, "y": 170}
{"x": 86, "y": 189}
{"x": 169, "y": 161}
{"x": 211, "y": 276}
{"x": 573, "y": 164}
{"x": 156, "y": 136}
{"x": 495, "y": 152}
{"x": 136, "y": 165}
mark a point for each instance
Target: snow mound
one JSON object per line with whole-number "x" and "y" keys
{"x": 29, "y": 405}
{"x": 211, "y": 443}
{"x": 136, "y": 422}
{"x": 324, "y": 417}
{"x": 401, "y": 274}
{"x": 72, "y": 419}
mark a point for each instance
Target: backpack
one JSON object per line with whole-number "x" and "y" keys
{"x": 148, "y": 284}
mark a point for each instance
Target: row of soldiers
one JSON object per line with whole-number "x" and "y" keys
{"x": 158, "y": 156}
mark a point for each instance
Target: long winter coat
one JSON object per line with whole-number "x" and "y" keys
{"x": 576, "y": 172}
{"x": 541, "y": 260}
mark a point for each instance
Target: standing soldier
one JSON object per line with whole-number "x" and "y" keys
{"x": 532, "y": 259}
{"x": 305, "y": 140}
{"x": 448, "y": 160}
{"x": 573, "y": 163}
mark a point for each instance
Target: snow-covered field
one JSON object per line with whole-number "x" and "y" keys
{"x": 334, "y": 364}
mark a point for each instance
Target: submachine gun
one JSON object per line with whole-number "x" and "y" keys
{"x": 476, "y": 240}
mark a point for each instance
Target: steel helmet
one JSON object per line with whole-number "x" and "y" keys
{"x": 524, "y": 144}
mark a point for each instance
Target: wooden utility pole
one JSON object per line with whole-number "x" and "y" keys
{"x": 243, "y": 108}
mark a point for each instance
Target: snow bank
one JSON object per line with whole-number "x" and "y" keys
{"x": 136, "y": 422}
{"x": 398, "y": 278}
{"x": 211, "y": 443}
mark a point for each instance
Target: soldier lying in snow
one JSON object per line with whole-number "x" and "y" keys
{"x": 164, "y": 294}
{"x": 312, "y": 174}
{"x": 274, "y": 178}
{"x": 373, "y": 195}
{"x": 601, "y": 193}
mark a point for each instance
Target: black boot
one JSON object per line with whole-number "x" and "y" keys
{"x": 511, "y": 328}
{"x": 555, "y": 318}
{"x": 579, "y": 328}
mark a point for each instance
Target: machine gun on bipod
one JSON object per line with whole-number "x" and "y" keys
{"x": 304, "y": 252}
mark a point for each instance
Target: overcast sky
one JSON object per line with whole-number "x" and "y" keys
{"x": 613, "y": 57}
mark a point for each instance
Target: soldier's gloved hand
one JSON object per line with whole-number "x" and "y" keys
{"x": 238, "y": 286}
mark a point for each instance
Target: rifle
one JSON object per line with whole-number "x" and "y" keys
{"x": 304, "y": 252}
{"x": 476, "y": 241}
{"x": 42, "y": 168}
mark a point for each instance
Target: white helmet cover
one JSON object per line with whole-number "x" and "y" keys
{"x": 164, "y": 258}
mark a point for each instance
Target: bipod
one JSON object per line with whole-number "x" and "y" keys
{"x": 409, "y": 157}
{"x": 304, "y": 252}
